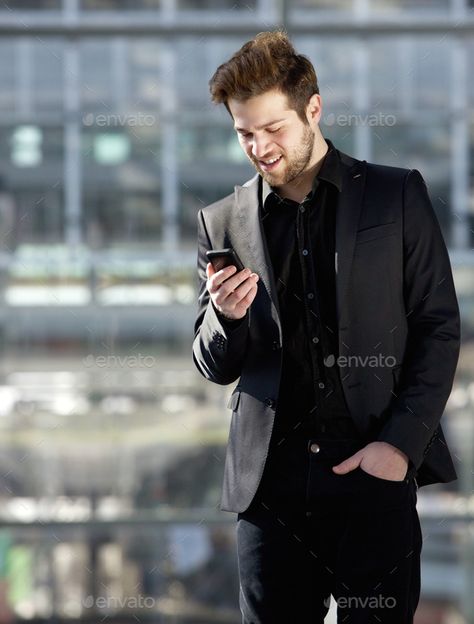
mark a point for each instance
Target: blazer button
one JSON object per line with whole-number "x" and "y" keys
{"x": 275, "y": 345}
{"x": 270, "y": 402}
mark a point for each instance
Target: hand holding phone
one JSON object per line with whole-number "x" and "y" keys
{"x": 231, "y": 286}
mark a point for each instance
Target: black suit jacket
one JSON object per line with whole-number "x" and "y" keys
{"x": 398, "y": 323}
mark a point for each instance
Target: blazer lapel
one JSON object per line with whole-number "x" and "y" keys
{"x": 252, "y": 248}
{"x": 347, "y": 219}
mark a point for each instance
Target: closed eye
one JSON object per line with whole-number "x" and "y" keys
{"x": 247, "y": 135}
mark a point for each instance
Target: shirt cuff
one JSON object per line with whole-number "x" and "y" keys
{"x": 229, "y": 323}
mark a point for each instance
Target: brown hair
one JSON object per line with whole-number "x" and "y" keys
{"x": 269, "y": 61}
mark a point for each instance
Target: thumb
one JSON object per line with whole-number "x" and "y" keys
{"x": 348, "y": 464}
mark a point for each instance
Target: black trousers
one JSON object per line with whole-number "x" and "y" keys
{"x": 310, "y": 533}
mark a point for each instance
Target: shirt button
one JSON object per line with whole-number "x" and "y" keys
{"x": 310, "y": 295}
{"x": 321, "y": 385}
{"x": 315, "y": 340}
{"x": 302, "y": 208}
{"x": 305, "y": 252}
{"x": 314, "y": 448}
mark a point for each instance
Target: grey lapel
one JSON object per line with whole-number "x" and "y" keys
{"x": 252, "y": 244}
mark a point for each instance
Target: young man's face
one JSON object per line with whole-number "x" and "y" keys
{"x": 268, "y": 131}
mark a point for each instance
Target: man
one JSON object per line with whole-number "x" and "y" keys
{"x": 343, "y": 330}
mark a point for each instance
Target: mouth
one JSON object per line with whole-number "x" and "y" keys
{"x": 270, "y": 164}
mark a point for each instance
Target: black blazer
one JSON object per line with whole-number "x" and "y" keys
{"x": 395, "y": 300}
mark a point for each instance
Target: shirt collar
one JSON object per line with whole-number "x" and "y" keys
{"x": 330, "y": 171}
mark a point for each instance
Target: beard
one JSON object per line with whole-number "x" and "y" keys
{"x": 296, "y": 162}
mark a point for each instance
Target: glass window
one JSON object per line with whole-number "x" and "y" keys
{"x": 193, "y": 72}
{"x": 40, "y": 216}
{"x": 470, "y": 191}
{"x": 31, "y": 174}
{"x": 31, "y": 73}
{"x": 47, "y": 72}
{"x": 8, "y": 75}
{"x": 409, "y": 5}
{"x": 96, "y": 75}
{"x": 410, "y": 75}
{"x": 121, "y": 182}
{"x": 144, "y": 77}
{"x": 27, "y": 146}
{"x": 470, "y": 70}
{"x": 125, "y": 76}
{"x": 392, "y": 77}
{"x": 119, "y": 5}
{"x": 431, "y": 66}
{"x": 332, "y": 58}
{"x": 32, "y": 5}
{"x": 216, "y": 4}
{"x": 211, "y": 143}
{"x": 307, "y": 5}
{"x": 112, "y": 216}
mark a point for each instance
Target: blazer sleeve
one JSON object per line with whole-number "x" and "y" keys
{"x": 219, "y": 345}
{"x": 433, "y": 342}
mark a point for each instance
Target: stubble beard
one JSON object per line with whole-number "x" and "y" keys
{"x": 297, "y": 163}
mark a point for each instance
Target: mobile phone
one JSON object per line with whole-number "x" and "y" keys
{"x": 221, "y": 258}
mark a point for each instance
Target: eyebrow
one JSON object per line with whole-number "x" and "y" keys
{"x": 270, "y": 123}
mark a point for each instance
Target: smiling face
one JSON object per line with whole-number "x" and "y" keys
{"x": 279, "y": 145}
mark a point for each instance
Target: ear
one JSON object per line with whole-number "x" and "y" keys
{"x": 314, "y": 109}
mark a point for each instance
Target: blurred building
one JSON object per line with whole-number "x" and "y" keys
{"x": 111, "y": 445}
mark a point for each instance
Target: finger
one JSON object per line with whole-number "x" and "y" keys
{"x": 220, "y": 277}
{"x": 245, "y": 302}
{"x": 250, "y": 296}
{"x": 234, "y": 297}
{"x": 249, "y": 286}
{"x": 240, "y": 277}
{"x": 228, "y": 279}
{"x": 237, "y": 296}
{"x": 349, "y": 464}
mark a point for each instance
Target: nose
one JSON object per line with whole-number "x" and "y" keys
{"x": 260, "y": 147}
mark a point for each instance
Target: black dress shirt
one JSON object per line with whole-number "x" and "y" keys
{"x": 301, "y": 243}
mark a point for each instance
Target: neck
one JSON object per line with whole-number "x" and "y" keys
{"x": 298, "y": 188}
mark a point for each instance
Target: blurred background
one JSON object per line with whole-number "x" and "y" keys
{"x": 111, "y": 444}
